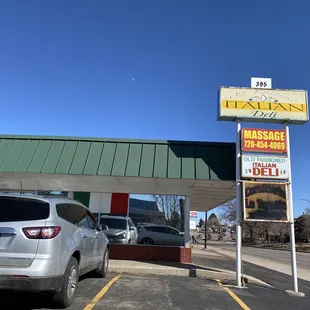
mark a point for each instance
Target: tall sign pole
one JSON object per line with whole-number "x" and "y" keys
{"x": 238, "y": 205}
{"x": 263, "y": 158}
{"x": 206, "y": 229}
{"x": 292, "y": 226}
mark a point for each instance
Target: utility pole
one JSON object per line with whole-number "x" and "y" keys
{"x": 206, "y": 229}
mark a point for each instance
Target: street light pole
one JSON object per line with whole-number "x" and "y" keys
{"x": 206, "y": 229}
{"x": 238, "y": 207}
{"x": 292, "y": 227}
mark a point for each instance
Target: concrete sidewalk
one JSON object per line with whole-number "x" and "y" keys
{"x": 178, "y": 269}
{"x": 267, "y": 263}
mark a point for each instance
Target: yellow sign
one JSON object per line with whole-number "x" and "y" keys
{"x": 265, "y": 201}
{"x": 263, "y": 105}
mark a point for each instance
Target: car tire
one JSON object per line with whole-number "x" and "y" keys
{"x": 147, "y": 241}
{"x": 102, "y": 271}
{"x": 65, "y": 297}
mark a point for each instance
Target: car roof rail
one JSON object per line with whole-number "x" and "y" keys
{"x": 110, "y": 214}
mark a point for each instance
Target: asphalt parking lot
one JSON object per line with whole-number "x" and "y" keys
{"x": 160, "y": 292}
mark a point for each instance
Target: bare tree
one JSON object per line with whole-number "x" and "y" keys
{"x": 170, "y": 206}
{"x": 280, "y": 230}
{"x": 228, "y": 211}
{"x": 250, "y": 230}
{"x": 307, "y": 211}
{"x": 307, "y": 227}
{"x": 266, "y": 228}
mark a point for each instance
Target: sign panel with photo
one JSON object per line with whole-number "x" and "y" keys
{"x": 265, "y": 201}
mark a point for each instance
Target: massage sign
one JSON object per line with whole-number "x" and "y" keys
{"x": 264, "y": 159}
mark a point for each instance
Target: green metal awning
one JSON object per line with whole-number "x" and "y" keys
{"x": 114, "y": 164}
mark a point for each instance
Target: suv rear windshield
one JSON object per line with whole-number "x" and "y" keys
{"x": 22, "y": 209}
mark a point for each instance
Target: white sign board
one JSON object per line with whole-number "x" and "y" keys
{"x": 266, "y": 167}
{"x": 265, "y": 83}
{"x": 192, "y": 224}
{"x": 263, "y": 105}
{"x": 193, "y": 213}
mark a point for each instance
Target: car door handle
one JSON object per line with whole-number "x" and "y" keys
{"x": 84, "y": 236}
{"x": 96, "y": 237}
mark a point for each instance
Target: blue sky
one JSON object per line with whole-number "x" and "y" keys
{"x": 148, "y": 69}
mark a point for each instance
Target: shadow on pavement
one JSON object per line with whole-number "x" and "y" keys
{"x": 25, "y": 301}
{"x": 30, "y": 301}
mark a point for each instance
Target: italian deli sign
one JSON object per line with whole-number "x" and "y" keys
{"x": 267, "y": 167}
{"x": 263, "y": 105}
{"x": 263, "y": 140}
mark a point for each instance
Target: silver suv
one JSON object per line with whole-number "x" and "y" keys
{"x": 119, "y": 229}
{"x": 46, "y": 243}
{"x": 160, "y": 235}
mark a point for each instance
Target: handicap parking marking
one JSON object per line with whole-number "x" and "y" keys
{"x": 233, "y": 295}
{"x": 95, "y": 300}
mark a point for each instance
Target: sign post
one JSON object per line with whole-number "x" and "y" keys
{"x": 206, "y": 229}
{"x": 264, "y": 181}
{"x": 292, "y": 226}
{"x": 238, "y": 206}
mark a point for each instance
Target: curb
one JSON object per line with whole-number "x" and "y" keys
{"x": 294, "y": 294}
{"x": 275, "y": 249}
{"x": 191, "y": 272}
{"x": 223, "y": 254}
{"x": 195, "y": 271}
{"x": 226, "y": 275}
{"x": 150, "y": 271}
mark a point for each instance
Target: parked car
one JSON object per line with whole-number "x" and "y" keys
{"x": 119, "y": 229}
{"x": 160, "y": 235}
{"x": 46, "y": 243}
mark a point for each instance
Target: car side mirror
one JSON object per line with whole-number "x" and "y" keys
{"x": 104, "y": 227}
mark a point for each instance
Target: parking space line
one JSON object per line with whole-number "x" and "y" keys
{"x": 92, "y": 304}
{"x": 234, "y": 296}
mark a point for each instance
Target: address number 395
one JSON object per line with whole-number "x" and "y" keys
{"x": 261, "y": 84}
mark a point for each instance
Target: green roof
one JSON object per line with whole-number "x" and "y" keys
{"x": 117, "y": 157}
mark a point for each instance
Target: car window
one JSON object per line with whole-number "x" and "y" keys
{"x": 114, "y": 223}
{"x": 23, "y": 209}
{"x": 148, "y": 228}
{"x": 172, "y": 231}
{"x": 159, "y": 229}
{"x": 74, "y": 214}
{"x": 85, "y": 223}
{"x": 92, "y": 221}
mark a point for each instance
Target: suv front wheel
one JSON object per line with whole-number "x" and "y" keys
{"x": 66, "y": 295}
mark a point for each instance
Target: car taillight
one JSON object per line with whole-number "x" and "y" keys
{"x": 41, "y": 232}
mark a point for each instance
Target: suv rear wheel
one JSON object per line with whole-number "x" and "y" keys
{"x": 66, "y": 295}
{"x": 147, "y": 240}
